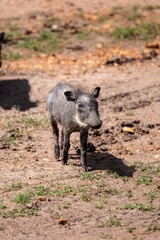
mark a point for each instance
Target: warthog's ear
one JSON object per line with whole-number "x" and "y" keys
{"x": 1, "y": 36}
{"x": 70, "y": 96}
{"x": 95, "y": 93}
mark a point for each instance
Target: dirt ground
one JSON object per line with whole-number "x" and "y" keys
{"x": 41, "y": 199}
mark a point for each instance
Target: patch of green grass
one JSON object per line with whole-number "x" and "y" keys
{"x": 134, "y": 14}
{"x": 22, "y": 198}
{"x": 129, "y": 206}
{"x": 142, "y": 207}
{"x": 130, "y": 229}
{"x": 65, "y": 206}
{"x": 11, "y": 56}
{"x": 139, "y": 206}
{"x": 2, "y": 206}
{"x": 104, "y": 193}
{"x": 62, "y": 192}
{"x": 12, "y": 137}
{"x": 152, "y": 195}
{"x": 114, "y": 221}
{"x": 129, "y": 193}
{"x": 56, "y": 216}
{"x": 121, "y": 33}
{"x": 14, "y": 34}
{"x": 89, "y": 176}
{"x": 154, "y": 226}
{"x": 20, "y": 212}
{"x": 99, "y": 206}
{"x": 145, "y": 180}
{"x": 84, "y": 194}
{"x": 144, "y": 31}
{"x": 46, "y": 42}
{"x": 100, "y": 184}
{"x": 148, "y": 168}
{"x": 39, "y": 190}
{"x": 14, "y": 213}
{"x": 130, "y": 113}
{"x": 148, "y": 30}
{"x": 15, "y": 185}
{"x": 35, "y": 121}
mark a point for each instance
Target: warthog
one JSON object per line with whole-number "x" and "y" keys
{"x": 76, "y": 111}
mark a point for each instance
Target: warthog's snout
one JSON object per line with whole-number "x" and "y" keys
{"x": 97, "y": 125}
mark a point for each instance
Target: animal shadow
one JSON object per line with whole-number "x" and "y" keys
{"x": 15, "y": 93}
{"x": 107, "y": 161}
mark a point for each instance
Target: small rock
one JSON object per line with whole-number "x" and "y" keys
{"x": 128, "y": 130}
{"x": 62, "y": 221}
{"x": 41, "y": 198}
{"x": 127, "y": 124}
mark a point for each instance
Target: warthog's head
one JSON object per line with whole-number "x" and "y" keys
{"x": 87, "y": 114}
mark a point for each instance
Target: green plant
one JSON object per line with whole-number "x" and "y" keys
{"x": 20, "y": 212}
{"x": 84, "y": 195}
{"x": 130, "y": 229}
{"x": 154, "y": 226}
{"x": 100, "y": 184}
{"x": 34, "y": 121}
{"x": 99, "y": 206}
{"x": 39, "y": 190}
{"x": 144, "y": 31}
{"x": 139, "y": 206}
{"x": 63, "y": 192}
{"x": 11, "y": 56}
{"x": 152, "y": 195}
{"x": 46, "y": 42}
{"x": 113, "y": 173}
{"x": 2, "y": 206}
{"x": 133, "y": 14}
{"x": 14, "y": 213}
{"x": 148, "y": 30}
{"x": 65, "y": 206}
{"x": 146, "y": 180}
{"x": 89, "y": 176}
{"x": 142, "y": 207}
{"x": 114, "y": 221}
{"x": 56, "y": 216}
{"x": 121, "y": 33}
{"x": 12, "y": 137}
{"x": 22, "y": 198}
{"x": 128, "y": 206}
{"x": 129, "y": 193}
{"x": 130, "y": 113}
{"x": 16, "y": 185}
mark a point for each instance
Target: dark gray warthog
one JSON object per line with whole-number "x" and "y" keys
{"x": 76, "y": 111}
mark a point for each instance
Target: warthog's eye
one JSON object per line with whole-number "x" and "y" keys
{"x": 80, "y": 105}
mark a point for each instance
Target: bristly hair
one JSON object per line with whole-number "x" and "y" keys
{"x": 78, "y": 121}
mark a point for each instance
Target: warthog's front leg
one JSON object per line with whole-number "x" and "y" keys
{"x": 66, "y": 146}
{"x": 83, "y": 142}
